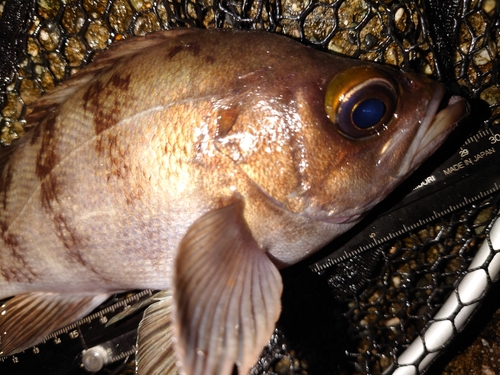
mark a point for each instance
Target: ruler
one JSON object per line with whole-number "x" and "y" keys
{"x": 83, "y": 347}
{"x": 467, "y": 176}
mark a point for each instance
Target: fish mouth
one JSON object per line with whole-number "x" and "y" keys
{"x": 435, "y": 127}
{"x": 444, "y": 121}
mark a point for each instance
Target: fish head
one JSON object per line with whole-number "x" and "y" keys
{"x": 382, "y": 124}
{"x": 330, "y": 146}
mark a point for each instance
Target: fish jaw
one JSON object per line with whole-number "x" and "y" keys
{"x": 457, "y": 109}
{"x": 435, "y": 128}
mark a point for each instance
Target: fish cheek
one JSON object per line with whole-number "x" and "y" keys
{"x": 335, "y": 167}
{"x": 263, "y": 142}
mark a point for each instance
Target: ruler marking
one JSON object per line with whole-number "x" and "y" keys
{"x": 97, "y": 315}
{"x": 124, "y": 355}
{"x": 437, "y": 215}
{"x": 326, "y": 263}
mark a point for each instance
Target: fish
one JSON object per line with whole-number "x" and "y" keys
{"x": 200, "y": 163}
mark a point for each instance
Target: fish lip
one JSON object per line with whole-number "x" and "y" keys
{"x": 444, "y": 121}
{"x": 435, "y": 127}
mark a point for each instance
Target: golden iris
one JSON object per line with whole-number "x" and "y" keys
{"x": 361, "y": 101}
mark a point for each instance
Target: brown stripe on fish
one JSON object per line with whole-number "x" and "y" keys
{"x": 91, "y": 98}
{"x": 106, "y": 102}
{"x": 49, "y": 191}
{"x": 120, "y": 82}
{"x": 69, "y": 237}
{"x": 117, "y": 153}
{"x": 5, "y": 181}
{"x": 14, "y": 267}
{"x": 46, "y": 160}
{"x": 73, "y": 243}
{"x": 35, "y": 134}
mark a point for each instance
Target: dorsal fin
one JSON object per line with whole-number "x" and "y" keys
{"x": 101, "y": 63}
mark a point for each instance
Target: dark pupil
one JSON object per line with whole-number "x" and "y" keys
{"x": 368, "y": 113}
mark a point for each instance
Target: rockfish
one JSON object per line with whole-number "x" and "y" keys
{"x": 199, "y": 162}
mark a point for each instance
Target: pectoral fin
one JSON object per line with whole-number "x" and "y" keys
{"x": 226, "y": 297}
{"x": 26, "y": 319}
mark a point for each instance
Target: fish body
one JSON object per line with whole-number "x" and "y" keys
{"x": 200, "y": 162}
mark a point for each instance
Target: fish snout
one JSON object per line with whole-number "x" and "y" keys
{"x": 438, "y": 123}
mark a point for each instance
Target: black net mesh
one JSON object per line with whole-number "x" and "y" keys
{"x": 416, "y": 275}
{"x": 330, "y": 324}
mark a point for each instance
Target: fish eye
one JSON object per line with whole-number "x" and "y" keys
{"x": 361, "y": 101}
{"x": 368, "y": 113}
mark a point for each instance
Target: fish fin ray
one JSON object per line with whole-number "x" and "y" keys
{"x": 226, "y": 297}
{"x": 138, "y": 306}
{"x": 156, "y": 353}
{"x": 27, "y": 319}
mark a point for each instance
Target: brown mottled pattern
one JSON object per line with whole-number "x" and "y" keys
{"x": 5, "y": 181}
{"x": 91, "y": 97}
{"x": 69, "y": 237}
{"x": 117, "y": 153}
{"x": 107, "y": 104}
{"x": 104, "y": 101}
{"x": 46, "y": 160}
{"x": 17, "y": 269}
